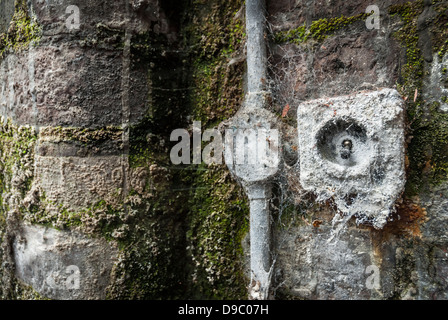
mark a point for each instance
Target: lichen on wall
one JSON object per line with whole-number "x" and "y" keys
{"x": 17, "y": 156}
{"x": 199, "y": 205}
{"x": 218, "y": 211}
{"x": 427, "y": 136}
{"x": 22, "y": 31}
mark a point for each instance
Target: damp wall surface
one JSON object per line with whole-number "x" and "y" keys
{"x": 92, "y": 206}
{"x": 407, "y": 258}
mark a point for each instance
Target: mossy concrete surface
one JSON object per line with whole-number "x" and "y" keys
{"x": 86, "y": 175}
{"x": 85, "y": 144}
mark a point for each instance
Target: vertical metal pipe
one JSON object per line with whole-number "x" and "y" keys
{"x": 260, "y": 262}
{"x": 256, "y": 46}
{"x": 258, "y": 193}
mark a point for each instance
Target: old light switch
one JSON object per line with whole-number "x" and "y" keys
{"x": 352, "y": 147}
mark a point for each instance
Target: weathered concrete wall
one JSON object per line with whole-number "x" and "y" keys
{"x": 87, "y": 183}
{"x": 407, "y": 258}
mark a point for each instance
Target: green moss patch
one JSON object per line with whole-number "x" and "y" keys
{"x": 83, "y": 135}
{"x": 17, "y": 156}
{"x": 23, "y": 30}
{"x": 318, "y": 30}
{"x": 428, "y": 135}
{"x": 217, "y": 82}
{"x": 218, "y": 221}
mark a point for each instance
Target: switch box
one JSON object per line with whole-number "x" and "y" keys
{"x": 351, "y": 150}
